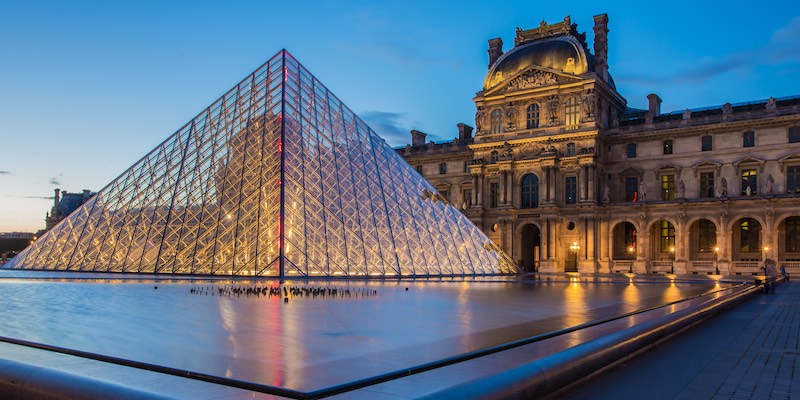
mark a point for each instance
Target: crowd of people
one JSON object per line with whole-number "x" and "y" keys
{"x": 284, "y": 291}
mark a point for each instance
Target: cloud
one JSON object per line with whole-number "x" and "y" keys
{"x": 781, "y": 48}
{"x": 389, "y": 125}
{"x": 30, "y": 197}
{"x": 5, "y": 172}
{"x": 54, "y": 181}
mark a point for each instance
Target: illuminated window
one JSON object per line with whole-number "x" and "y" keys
{"x": 570, "y": 190}
{"x": 496, "y": 123}
{"x": 706, "y": 184}
{"x": 571, "y": 111}
{"x": 530, "y": 191}
{"x": 667, "y": 235}
{"x": 749, "y": 236}
{"x": 533, "y": 116}
{"x": 668, "y": 147}
{"x": 749, "y": 180}
{"x": 748, "y": 139}
{"x": 632, "y": 189}
{"x": 494, "y": 194}
{"x": 793, "y": 179}
{"x": 706, "y": 143}
{"x": 667, "y": 187}
{"x": 631, "y": 150}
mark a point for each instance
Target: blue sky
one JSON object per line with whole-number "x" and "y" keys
{"x": 89, "y": 87}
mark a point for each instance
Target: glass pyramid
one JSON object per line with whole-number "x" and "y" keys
{"x": 276, "y": 178}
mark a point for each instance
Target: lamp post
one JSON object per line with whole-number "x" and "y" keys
{"x": 672, "y": 264}
{"x": 632, "y": 252}
{"x": 716, "y": 260}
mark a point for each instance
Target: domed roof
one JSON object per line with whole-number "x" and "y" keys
{"x": 562, "y": 53}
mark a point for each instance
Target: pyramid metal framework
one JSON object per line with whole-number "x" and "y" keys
{"x": 276, "y": 178}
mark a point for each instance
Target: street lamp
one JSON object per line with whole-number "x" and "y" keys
{"x": 672, "y": 265}
{"x": 716, "y": 259}
{"x": 632, "y": 252}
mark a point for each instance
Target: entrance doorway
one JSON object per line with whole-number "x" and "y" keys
{"x": 531, "y": 247}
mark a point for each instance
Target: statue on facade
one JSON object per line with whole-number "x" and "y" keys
{"x": 768, "y": 186}
{"x": 748, "y": 191}
{"x": 681, "y": 193}
{"x": 478, "y": 119}
{"x": 642, "y": 191}
{"x": 772, "y": 103}
{"x": 687, "y": 114}
{"x": 606, "y": 198}
{"x": 511, "y": 117}
{"x": 552, "y": 110}
{"x": 727, "y": 108}
{"x": 723, "y": 188}
{"x": 589, "y": 104}
{"x": 507, "y": 151}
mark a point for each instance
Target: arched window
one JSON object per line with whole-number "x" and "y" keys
{"x": 533, "y": 116}
{"x": 749, "y": 235}
{"x": 496, "y": 122}
{"x": 530, "y": 191}
{"x": 571, "y": 111}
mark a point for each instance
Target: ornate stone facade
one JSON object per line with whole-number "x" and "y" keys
{"x": 565, "y": 177}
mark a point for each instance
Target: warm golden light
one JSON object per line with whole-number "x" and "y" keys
{"x": 716, "y": 249}
{"x": 672, "y": 249}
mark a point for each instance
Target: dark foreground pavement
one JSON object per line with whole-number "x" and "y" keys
{"x": 748, "y": 352}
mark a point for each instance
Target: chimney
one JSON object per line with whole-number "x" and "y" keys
{"x": 417, "y": 138}
{"x": 653, "y": 104}
{"x": 495, "y": 50}
{"x": 56, "y": 198}
{"x": 464, "y": 132}
{"x": 86, "y": 194}
{"x": 601, "y": 46}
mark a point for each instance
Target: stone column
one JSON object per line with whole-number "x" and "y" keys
{"x": 479, "y": 194}
{"x": 503, "y": 177}
{"x": 592, "y": 183}
{"x": 475, "y": 190}
{"x": 547, "y": 184}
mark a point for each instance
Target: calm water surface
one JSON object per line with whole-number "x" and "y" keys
{"x": 308, "y": 343}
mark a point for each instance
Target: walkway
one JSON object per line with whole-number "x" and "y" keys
{"x": 748, "y": 352}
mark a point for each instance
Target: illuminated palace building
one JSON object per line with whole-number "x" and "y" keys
{"x": 563, "y": 176}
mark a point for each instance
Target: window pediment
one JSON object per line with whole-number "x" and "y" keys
{"x": 789, "y": 160}
{"x": 706, "y": 165}
{"x": 750, "y": 162}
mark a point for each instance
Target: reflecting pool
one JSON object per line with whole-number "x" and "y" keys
{"x": 309, "y": 342}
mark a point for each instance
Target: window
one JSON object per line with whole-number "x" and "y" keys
{"x": 793, "y": 180}
{"x": 706, "y": 184}
{"x": 792, "y": 235}
{"x": 667, "y": 187}
{"x": 706, "y": 143}
{"x": 794, "y": 134}
{"x": 445, "y": 195}
{"x": 466, "y": 194}
{"x": 466, "y": 166}
{"x": 496, "y": 121}
{"x": 442, "y": 168}
{"x": 533, "y": 116}
{"x": 570, "y": 149}
{"x": 570, "y": 190}
{"x": 494, "y": 194}
{"x": 494, "y": 157}
{"x": 530, "y": 191}
{"x": 571, "y": 111}
{"x": 419, "y": 169}
{"x": 748, "y": 139}
{"x": 749, "y": 181}
{"x": 631, "y": 150}
{"x": 668, "y": 147}
{"x": 707, "y": 236}
{"x": 667, "y": 234}
{"x": 749, "y": 236}
{"x": 631, "y": 189}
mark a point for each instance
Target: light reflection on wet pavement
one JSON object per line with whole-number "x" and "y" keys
{"x": 307, "y": 343}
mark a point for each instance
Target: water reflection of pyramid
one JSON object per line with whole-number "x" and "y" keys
{"x": 276, "y": 178}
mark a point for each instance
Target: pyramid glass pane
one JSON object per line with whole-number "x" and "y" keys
{"x": 275, "y": 178}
